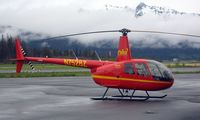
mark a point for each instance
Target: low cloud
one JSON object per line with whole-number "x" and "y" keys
{"x": 58, "y": 18}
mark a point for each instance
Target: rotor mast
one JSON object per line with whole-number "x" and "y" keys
{"x": 123, "y": 52}
{"x": 124, "y": 31}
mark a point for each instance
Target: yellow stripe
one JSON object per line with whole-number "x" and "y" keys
{"x": 128, "y": 79}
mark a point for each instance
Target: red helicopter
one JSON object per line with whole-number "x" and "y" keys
{"x": 125, "y": 74}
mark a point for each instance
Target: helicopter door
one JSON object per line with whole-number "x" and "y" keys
{"x": 128, "y": 71}
{"x": 128, "y": 68}
{"x": 142, "y": 70}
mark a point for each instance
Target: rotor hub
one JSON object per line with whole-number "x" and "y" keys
{"x": 124, "y": 31}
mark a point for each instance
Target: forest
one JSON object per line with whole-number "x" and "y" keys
{"x": 67, "y": 49}
{"x": 7, "y": 51}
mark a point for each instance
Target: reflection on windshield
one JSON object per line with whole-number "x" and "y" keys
{"x": 141, "y": 69}
{"x": 159, "y": 71}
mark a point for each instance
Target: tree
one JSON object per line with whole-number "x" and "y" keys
{"x": 3, "y": 49}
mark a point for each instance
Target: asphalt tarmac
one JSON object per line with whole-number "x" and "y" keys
{"x": 68, "y": 98}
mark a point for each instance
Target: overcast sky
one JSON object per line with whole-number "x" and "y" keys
{"x": 57, "y": 17}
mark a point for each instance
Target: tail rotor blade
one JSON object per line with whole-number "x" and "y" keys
{"x": 31, "y": 65}
{"x": 29, "y": 62}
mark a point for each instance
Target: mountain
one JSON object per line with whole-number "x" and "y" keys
{"x": 34, "y": 40}
{"x": 143, "y": 9}
{"x": 158, "y": 49}
{"x": 66, "y": 43}
{"x": 23, "y": 34}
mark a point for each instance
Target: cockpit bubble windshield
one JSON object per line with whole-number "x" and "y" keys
{"x": 159, "y": 71}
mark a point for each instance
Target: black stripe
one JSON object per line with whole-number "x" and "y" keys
{"x": 31, "y": 65}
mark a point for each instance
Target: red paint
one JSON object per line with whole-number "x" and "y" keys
{"x": 19, "y": 56}
{"x": 134, "y": 81}
{"x": 123, "y": 52}
{"x": 112, "y": 73}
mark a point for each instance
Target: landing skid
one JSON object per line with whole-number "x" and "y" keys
{"x": 131, "y": 97}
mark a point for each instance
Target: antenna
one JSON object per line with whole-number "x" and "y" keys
{"x": 97, "y": 55}
{"x": 74, "y": 54}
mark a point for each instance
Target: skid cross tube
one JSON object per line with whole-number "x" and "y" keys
{"x": 105, "y": 92}
{"x": 121, "y": 92}
{"x": 132, "y": 94}
{"x": 131, "y": 97}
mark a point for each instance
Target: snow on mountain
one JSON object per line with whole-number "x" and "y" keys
{"x": 108, "y": 6}
{"x": 152, "y": 19}
{"x": 143, "y": 9}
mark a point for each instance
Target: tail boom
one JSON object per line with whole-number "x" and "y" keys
{"x": 20, "y": 58}
{"x": 70, "y": 62}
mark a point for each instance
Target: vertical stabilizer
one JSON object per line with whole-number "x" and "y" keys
{"x": 123, "y": 52}
{"x": 19, "y": 56}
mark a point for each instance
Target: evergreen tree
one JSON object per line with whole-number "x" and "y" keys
{"x": 3, "y": 49}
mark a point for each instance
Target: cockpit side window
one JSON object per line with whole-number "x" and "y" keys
{"x": 156, "y": 73}
{"x": 142, "y": 69}
{"x": 128, "y": 68}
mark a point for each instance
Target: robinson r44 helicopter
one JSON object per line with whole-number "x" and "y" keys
{"x": 123, "y": 74}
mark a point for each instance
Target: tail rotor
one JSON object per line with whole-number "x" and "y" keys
{"x": 20, "y": 57}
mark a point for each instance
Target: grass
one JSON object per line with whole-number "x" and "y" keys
{"x": 186, "y": 72}
{"x": 26, "y": 67}
{"x": 37, "y": 67}
{"x": 78, "y": 73}
{"x": 182, "y": 64}
{"x": 43, "y": 74}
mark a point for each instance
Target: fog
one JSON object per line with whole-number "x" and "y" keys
{"x": 72, "y": 16}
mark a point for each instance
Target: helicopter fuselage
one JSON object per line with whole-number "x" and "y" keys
{"x": 137, "y": 74}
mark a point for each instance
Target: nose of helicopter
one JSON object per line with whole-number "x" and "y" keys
{"x": 170, "y": 84}
{"x": 161, "y": 73}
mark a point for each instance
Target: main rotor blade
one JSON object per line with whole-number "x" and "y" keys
{"x": 84, "y": 33}
{"x": 124, "y": 31}
{"x": 158, "y": 32}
